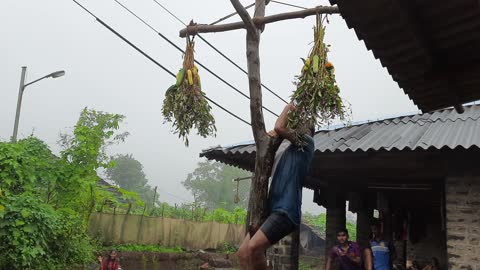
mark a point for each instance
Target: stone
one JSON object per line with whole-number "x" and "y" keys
{"x": 463, "y": 222}
{"x": 455, "y": 237}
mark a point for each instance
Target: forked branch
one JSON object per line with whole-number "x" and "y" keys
{"x": 258, "y": 21}
{"x": 243, "y": 13}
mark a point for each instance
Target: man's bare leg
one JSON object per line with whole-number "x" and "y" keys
{"x": 257, "y": 247}
{"x": 243, "y": 254}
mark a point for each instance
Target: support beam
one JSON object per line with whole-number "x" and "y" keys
{"x": 383, "y": 205}
{"x": 260, "y": 22}
{"x": 336, "y": 218}
{"x": 295, "y": 250}
{"x": 364, "y": 218}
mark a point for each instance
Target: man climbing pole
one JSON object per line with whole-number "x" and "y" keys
{"x": 285, "y": 196}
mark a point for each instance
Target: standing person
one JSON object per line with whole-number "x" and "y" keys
{"x": 109, "y": 263}
{"x": 346, "y": 253}
{"x": 383, "y": 251}
{"x": 367, "y": 258}
{"x": 285, "y": 196}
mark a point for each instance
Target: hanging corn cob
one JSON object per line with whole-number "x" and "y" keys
{"x": 185, "y": 105}
{"x": 316, "y": 98}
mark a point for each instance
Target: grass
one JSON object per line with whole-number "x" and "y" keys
{"x": 310, "y": 263}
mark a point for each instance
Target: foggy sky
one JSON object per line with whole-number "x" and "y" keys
{"x": 104, "y": 73}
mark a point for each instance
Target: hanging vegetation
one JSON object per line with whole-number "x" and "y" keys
{"x": 185, "y": 105}
{"x": 316, "y": 97}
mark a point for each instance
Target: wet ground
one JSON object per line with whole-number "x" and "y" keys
{"x": 176, "y": 261}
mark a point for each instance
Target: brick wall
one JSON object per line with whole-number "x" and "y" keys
{"x": 463, "y": 222}
{"x": 284, "y": 255}
{"x": 432, "y": 243}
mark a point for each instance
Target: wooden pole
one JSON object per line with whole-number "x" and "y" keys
{"x": 266, "y": 146}
{"x": 154, "y": 197}
{"x": 258, "y": 21}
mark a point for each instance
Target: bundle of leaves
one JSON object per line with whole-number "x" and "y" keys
{"x": 316, "y": 97}
{"x": 185, "y": 105}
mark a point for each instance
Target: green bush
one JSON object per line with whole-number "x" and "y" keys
{"x": 46, "y": 201}
{"x": 237, "y": 216}
{"x": 35, "y": 236}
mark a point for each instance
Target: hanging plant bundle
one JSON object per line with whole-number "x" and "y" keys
{"x": 185, "y": 105}
{"x": 316, "y": 97}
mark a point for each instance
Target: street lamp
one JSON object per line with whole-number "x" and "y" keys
{"x": 20, "y": 95}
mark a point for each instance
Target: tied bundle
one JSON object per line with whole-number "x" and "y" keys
{"x": 316, "y": 97}
{"x": 185, "y": 105}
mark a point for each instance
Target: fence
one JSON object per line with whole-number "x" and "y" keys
{"x": 143, "y": 230}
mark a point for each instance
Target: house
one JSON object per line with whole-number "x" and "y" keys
{"x": 420, "y": 172}
{"x": 429, "y": 47}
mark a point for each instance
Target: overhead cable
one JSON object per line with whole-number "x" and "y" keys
{"x": 287, "y": 4}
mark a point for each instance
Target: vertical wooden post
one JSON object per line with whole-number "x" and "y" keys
{"x": 130, "y": 208}
{"x": 336, "y": 217}
{"x": 266, "y": 146}
{"x": 364, "y": 218}
{"x": 154, "y": 197}
{"x": 295, "y": 250}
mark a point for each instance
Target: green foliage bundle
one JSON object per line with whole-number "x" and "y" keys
{"x": 316, "y": 97}
{"x": 185, "y": 105}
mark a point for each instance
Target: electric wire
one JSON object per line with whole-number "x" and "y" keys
{"x": 287, "y": 4}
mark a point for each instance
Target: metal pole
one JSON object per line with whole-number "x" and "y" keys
{"x": 19, "y": 104}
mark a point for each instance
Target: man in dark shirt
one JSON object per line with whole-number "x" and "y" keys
{"x": 285, "y": 196}
{"x": 346, "y": 253}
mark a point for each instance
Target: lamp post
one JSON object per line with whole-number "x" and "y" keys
{"x": 20, "y": 95}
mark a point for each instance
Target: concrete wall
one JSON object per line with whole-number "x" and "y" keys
{"x": 463, "y": 222}
{"x": 134, "y": 229}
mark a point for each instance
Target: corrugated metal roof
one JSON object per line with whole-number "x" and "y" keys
{"x": 431, "y": 48}
{"x": 444, "y": 129}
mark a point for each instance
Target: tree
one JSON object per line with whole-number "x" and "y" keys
{"x": 211, "y": 184}
{"x": 45, "y": 200}
{"x": 84, "y": 152}
{"x": 128, "y": 173}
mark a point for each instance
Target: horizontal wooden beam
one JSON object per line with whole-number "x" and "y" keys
{"x": 206, "y": 28}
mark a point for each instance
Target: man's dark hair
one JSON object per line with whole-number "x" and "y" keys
{"x": 342, "y": 230}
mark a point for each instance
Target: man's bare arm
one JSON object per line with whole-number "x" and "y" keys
{"x": 328, "y": 266}
{"x": 356, "y": 259}
{"x": 281, "y": 125}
